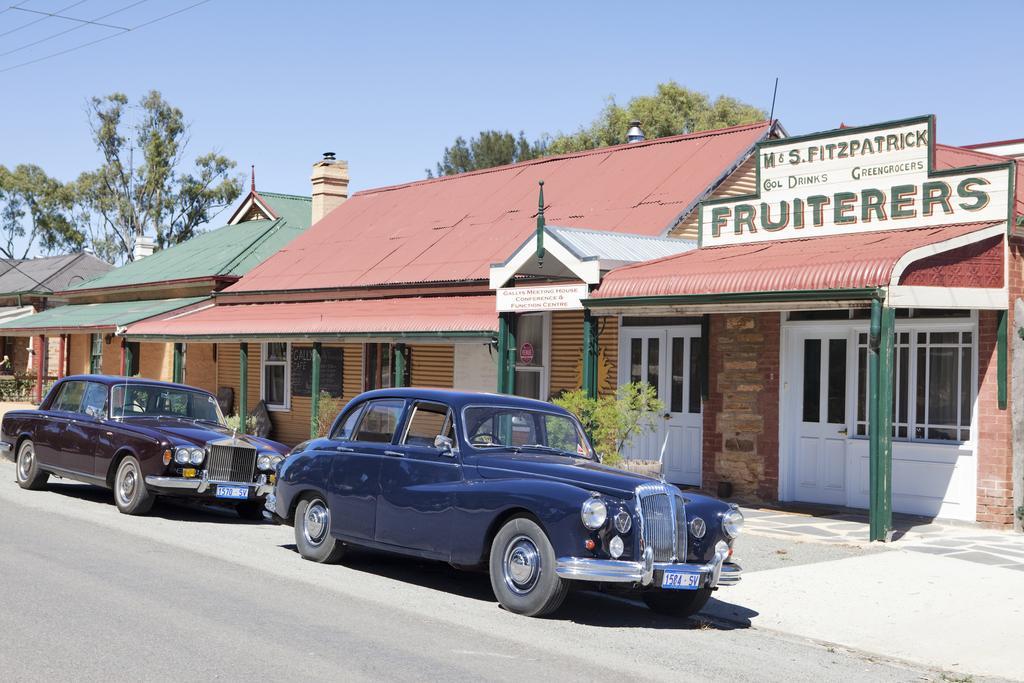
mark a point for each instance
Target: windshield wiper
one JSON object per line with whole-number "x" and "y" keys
{"x": 197, "y": 420}
{"x": 551, "y": 449}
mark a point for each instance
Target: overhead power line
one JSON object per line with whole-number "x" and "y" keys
{"x": 100, "y": 40}
{"x": 76, "y": 27}
{"x": 35, "y": 21}
{"x": 58, "y": 15}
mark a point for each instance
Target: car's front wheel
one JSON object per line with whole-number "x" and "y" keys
{"x": 522, "y": 568}
{"x": 130, "y": 492}
{"x": 675, "y": 603}
{"x": 313, "y": 531}
{"x": 27, "y": 470}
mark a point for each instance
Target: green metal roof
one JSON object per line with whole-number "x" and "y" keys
{"x": 231, "y": 250}
{"x": 90, "y": 316}
{"x": 293, "y": 208}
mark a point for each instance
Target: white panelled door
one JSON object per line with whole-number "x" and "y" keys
{"x": 819, "y": 415}
{"x": 668, "y": 359}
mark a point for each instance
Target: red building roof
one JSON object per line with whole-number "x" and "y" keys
{"x": 453, "y": 228}
{"x": 853, "y": 261}
{"x": 450, "y": 316}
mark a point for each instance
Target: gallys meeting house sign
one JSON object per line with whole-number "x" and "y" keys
{"x": 856, "y": 180}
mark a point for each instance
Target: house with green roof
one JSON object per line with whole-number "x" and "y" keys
{"x": 183, "y": 277}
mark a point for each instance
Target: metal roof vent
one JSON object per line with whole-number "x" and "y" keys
{"x": 329, "y": 157}
{"x": 635, "y": 133}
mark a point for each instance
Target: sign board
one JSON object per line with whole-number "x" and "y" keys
{"x": 854, "y": 180}
{"x": 331, "y": 362}
{"x": 526, "y": 353}
{"x": 554, "y": 298}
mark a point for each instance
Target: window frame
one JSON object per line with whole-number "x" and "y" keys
{"x": 287, "y": 364}
{"x": 96, "y": 359}
{"x": 544, "y": 369}
{"x": 63, "y": 390}
{"x": 399, "y": 421}
{"x": 411, "y": 409}
{"x": 911, "y": 420}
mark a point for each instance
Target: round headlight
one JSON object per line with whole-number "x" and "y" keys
{"x": 594, "y": 513}
{"x": 196, "y": 456}
{"x": 181, "y": 455}
{"x": 615, "y": 547}
{"x": 263, "y": 463}
{"x": 697, "y": 527}
{"x": 623, "y": 521}
{"x": 732, "y": 523}
{"x": 275, "y": 462}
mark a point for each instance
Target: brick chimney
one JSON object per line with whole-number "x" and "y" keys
{"x": 330, "y": 185}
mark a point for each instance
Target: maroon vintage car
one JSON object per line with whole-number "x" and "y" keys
{"x": 142, "y": 439}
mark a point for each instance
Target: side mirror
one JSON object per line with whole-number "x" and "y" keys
{"x": 445, "y": 445}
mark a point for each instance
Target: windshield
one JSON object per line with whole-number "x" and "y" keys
{"x": 148, "y": 400}
{"x": 511, "y": 428}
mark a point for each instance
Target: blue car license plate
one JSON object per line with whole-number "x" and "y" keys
{"x": 682, "y": 581}
{"x": 233, "y": 492}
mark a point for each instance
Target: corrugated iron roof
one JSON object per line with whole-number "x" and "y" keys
{"x": 854, "y": 261}
{"x": 453, "y": 228}
{"x": 616, "y": 246}
{"x": 411, "y": 316}
{"x": 48, "y": 273}
{"x": 92, "y": 316}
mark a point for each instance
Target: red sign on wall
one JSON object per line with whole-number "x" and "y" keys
{"x": 526, "y": 353}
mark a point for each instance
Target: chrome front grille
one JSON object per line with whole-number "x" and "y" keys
{"x": 662, "y": 521}
{"x": 231, "y": 462}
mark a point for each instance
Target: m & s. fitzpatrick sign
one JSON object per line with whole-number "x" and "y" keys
{"x": 855, "y": 180}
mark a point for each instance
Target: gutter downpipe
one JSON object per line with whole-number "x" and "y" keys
{"x": 314, "y": 390}
{"x": 243, "y": 386}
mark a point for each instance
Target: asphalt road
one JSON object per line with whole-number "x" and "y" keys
{"x": 90, "y": 594}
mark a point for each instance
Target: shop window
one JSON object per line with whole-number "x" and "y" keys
{"x": 96, "y": 354}
{"x": 275, "y": 387}
{"x": 379, "y": 366}
{"x": 933, "y": 391}
{"x": 531, "y": 356}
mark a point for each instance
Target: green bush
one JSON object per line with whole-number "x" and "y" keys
{"x": 613, "y": 421}
{"x": 329, "y": 409}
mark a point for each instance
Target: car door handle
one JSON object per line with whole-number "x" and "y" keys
{"x": 399, "y": 454}
{"x": 344, "y": 449}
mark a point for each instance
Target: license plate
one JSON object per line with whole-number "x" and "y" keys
{"x": 233, "y": 492}
{"x": 683, "y": 581}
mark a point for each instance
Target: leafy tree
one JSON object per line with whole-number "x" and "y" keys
{"x": 36, "y": 209}
{"x": 491, "y": 148}
{"x": 672, "y": 111}
{"x": 613, "y": 421}
{"x": 139, "y": 189}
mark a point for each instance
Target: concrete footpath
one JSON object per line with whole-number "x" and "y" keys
{"x": 928, "y": 609}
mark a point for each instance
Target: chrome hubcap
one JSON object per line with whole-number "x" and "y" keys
{"x": 521, "y": 567}
{"x": 129, "y": 482}
{"x": 316, "y": 522}
{"x": 28, "y": 456}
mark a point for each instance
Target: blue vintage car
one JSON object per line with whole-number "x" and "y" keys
{"x": 506, "y": 483}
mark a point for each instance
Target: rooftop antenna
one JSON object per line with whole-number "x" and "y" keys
{"x": 771, "y": 116}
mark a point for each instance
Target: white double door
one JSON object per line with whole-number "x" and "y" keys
{"x": 816, "y": 406}
{"x": 670, "y": 360}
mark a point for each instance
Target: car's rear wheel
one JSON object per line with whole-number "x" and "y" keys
{"x": 251, "y": 510}
{"x": 522, "y": 568}
{"x": 313, "y": 531}
{"x": 674, "y": 603}
{"x": 26, "y": 469}
{"x": 130, "y": 492}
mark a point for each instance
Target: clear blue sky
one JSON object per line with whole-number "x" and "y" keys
{"x": 388, "y": 85}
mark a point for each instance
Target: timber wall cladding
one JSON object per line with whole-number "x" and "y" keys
{"x": 433, "y": 365}
{"x": 289, "y": 426}
{"x": 742, "y": 181}
{"x": 567, "y": 352}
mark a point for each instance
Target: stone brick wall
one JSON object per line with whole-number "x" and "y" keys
{"x": 741, "y": 414}
{"x": 995, "y": 486}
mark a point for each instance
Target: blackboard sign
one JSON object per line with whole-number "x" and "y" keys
{"x": 331, "y": 366}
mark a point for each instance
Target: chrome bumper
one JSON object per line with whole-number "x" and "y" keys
{"x": 7, "y": 450}
{"x": 261, "y": 487}
{"x": 623, "y": 571}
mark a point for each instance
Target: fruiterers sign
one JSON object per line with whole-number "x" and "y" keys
{"x": 855, "y": 180}
{"x": 525, "y": 299}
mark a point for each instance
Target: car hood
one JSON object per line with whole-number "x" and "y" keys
{"x": 200, "y": 434}
{"x": 583, "y": 473}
